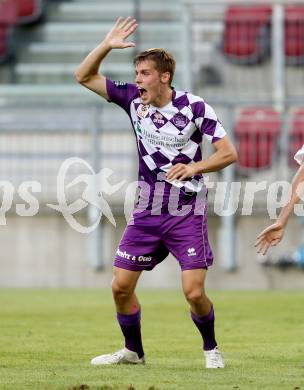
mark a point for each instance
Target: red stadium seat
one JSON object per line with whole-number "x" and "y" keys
{"x": 256, "y": 134}
{"x": 296, "y": 136}
{"x": 246, "y": 35}
{"x": 4, "y": 46}
{"x": 8, "y": 19}
{"x": 8, "y": 11}
{"x": 294, "y": 34}
{"x": 29, "y": 10}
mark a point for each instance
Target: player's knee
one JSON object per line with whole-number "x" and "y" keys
{"x": 194, "y": 295}
{"x": 120, "y": 290}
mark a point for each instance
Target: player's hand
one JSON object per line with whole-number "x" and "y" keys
{"x": 180, "y": 172}
{"x": 270, "y": 236}
{"x": 121, "y": 30}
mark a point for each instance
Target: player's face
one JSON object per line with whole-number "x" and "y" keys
{"x": 150, "y": 82}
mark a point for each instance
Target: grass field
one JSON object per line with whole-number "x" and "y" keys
{"x": 47, "y": 338}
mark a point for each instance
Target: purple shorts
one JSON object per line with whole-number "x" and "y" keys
{"x": 148, "y": 241}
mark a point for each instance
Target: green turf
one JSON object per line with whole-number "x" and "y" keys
{"x": 47, "y": 338}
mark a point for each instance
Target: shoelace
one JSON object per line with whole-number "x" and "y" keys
{"x": 118, "y": 354}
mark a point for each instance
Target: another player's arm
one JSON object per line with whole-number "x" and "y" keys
{"x": 296, "y": 194}
{"x": 87, "y": 73}
{"x": 274, "y": 233}
{"x": 224, "y": 155}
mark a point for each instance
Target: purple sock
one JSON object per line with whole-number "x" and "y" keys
{"x": 206, "y": 327}
{"x": 130, "y": 327}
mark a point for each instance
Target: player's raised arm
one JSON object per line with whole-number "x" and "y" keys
{"x": 87, "y": 72}
{"x": 274, "y": 233}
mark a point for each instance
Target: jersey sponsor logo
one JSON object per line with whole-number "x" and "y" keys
{"x": 143, "y": 110}
{"x": 191, "y": 252}
{"x": 158, "y": 118}
{"x": 120, "y": 84}
{"x": 161, "y": 140}
{"x": 180, "y": 120}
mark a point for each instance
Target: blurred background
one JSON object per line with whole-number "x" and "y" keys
{"x": 244, "y": 58}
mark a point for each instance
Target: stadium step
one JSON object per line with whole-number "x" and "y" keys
{"x": 150, "y": 32}
{"x": 44, "y": 52}
{"x": 18, "y": 94}
{"x": 66, "y": 52}
{"x": 105, "y": 11}
{"x": 89, "y": 11}
{"x": 27, "y": 73}
{"x": 57, "y": 73}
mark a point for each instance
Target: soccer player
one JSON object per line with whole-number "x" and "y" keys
{"x": 169, "y": 126}
{"x": 274, "y": 233}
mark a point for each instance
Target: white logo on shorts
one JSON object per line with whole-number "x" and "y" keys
{"x": 144, "y": 258}
{"x": 123, "y": 254}
{"x": 127, "y": 256}
{"x": 191, "y": 252}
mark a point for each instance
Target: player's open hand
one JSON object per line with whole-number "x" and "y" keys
{"x": 180, "y": 172}
{"x": 121, "y": 30}
{"x": 270, "y": 236}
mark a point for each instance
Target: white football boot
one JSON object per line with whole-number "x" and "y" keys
{"x": 124, "y": 356}
{"x": 214, "y": 358}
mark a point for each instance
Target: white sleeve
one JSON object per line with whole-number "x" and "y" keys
{"x": 299, "y": 156}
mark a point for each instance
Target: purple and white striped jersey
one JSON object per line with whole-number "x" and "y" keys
{"x": 168, "y": 135}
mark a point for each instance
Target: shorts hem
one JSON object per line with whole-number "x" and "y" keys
{"x": 130, "y": 267}
{"x": 203, "y": 265}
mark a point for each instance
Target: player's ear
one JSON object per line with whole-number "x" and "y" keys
{"x": 165, "y": 77}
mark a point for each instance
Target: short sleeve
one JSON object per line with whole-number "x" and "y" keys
{"x": 299, "y": 156}
{"x": 121, "y": 93}
{"x": 207, "y": 122}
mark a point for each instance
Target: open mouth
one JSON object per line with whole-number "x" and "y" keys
{"x": 142, "y": 92}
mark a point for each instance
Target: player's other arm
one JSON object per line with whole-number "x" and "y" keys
{"x": 87, "y": 73}
{"x": 224, "y": 155}
{"x": 274, "y": 233}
